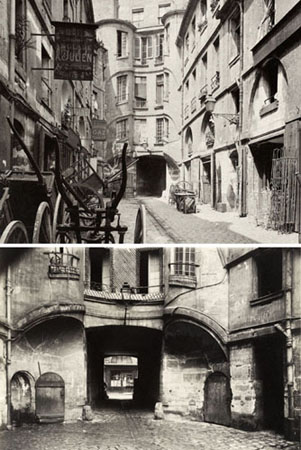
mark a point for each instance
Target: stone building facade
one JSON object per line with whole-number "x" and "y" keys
{"x": 40, "y": 106}
{"x": 215, "y": 332}
{"x": 241, "y": 119}
{"x": 142, "y": 100}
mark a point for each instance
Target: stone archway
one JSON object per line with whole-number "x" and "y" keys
{"x": 217, "y": 399}
{"x": 22, "y": 400}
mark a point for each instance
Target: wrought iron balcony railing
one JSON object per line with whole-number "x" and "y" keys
{"x": 63, "y": 265}
{"x": 203, "y": 92}
{"x": 186, "y": 112}
{"x": 134, "y": 294}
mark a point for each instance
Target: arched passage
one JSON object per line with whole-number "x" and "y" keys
{"x": 22, "y": 399}
{"x": 192, "y": 351}
{"x": 151, "y": 175}
{"x": 124, "y": 342}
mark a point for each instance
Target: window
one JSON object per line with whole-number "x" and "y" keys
{"x": 185, "y": 262}
{"x": 162, "y": 130}
{"x": 159, "y": 89}
{"x": 46, "y": 94}
{"x": 20, "y": 31}
{"x": 193, "y": 33}
{"x": 270, "y": 74}
{"x": 140, "y": 131}
{"x": 143, "y": 48}
{"x": 203, "y": 8}
{"x": 263, "y": 157}
{"x": 137, "y": 16}
{"x": 122, "y": 129}
{"x": 215, "y": 81}
{"x": 149, "y": 46}
{"x": 235, "y": 32}
{"x": 122, "y": 42}
{"x": 269, "y": 271}
{"x": 159, "y": 47}
{"x": 140, "y": 92}
{"x": 166, "y": 86}
{"x": 167, "y": 40}
{"x": 63, "y": 264}
{"x": 137, "y": 48}
{"x": 99, "y": 269}
{"x": 162, "y": 10}
{"x": 235, "y": 97}
{"x": 122, "y": 88}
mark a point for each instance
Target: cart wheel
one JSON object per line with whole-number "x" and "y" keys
{"x": 15, "y": 233}
{"x": 61, "y": 216}
{"x": 140, "y": 226}
{"x": 42, "y": 231}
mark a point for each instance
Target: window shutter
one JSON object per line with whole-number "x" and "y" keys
{"x": 137, "y": 48}
{"x": 149, "y": 46}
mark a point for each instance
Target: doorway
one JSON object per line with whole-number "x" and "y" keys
{"x": 151, "y": 176}
{"x": 217, "y": 399}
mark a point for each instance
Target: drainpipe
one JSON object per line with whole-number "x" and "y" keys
{"x": 12, "y": 59}
{"x": 241, "y": 98}
{"x": 288, "y": 330}
{"x": 8, "y": 344}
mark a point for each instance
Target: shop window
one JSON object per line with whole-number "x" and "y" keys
{"x": 122, "y": 43}
{"x": 269, "y": 272}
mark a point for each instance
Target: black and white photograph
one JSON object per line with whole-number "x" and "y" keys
{"x": 150, "y": 224}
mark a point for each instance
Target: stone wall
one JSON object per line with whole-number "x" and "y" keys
{"x": 55, "y": 346}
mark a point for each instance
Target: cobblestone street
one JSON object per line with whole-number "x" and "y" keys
{"x": 167, "y": 225}
{"x": 126, "y": 429}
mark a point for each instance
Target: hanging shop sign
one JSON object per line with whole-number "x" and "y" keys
{"x": 74, "y": 50}
{"x": 99, "y": 130}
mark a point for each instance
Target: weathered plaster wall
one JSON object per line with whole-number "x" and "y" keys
{"x": 55, "y": 346}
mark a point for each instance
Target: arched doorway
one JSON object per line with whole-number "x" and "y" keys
{"x": 151, "y": 175}
{"x": 217, "y": 399}
{"x": 50, "y": 398}
{"x": 22, "y": 407}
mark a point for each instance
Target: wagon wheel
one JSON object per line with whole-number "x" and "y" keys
{"x": 42, "y": 231}
{"x": 60, "y": 216}
{"x": 140, "y": 226}
{"x": 15, "y": 233}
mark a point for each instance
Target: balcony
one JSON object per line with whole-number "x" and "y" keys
{"x": 215, "y": 81}
{"x": 186, "y": 112}
{"x": 63, "y": 266}
{"x": 104, "y": 292}
{"x": 203, "y": 92}
{"x": 270, "y": 105}
{"x": 193, "y": 105}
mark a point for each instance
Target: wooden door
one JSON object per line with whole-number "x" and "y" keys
{"x": 50, "y": 398}
{"x": 217, "y": 399}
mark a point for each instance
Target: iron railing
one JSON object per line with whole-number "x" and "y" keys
{"x": 63, "y": 265}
